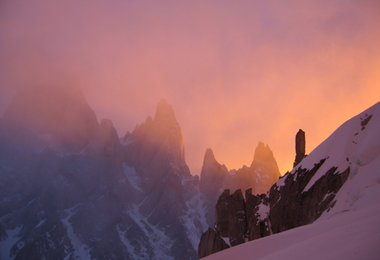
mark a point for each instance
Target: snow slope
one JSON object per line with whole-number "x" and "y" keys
{"x": 353, "y": 144}
{"x": 351, "y": 229}
{"x": 349, "y": 235}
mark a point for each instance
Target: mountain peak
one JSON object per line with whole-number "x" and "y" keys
{"x": 164, "y": 112}
{"x": 209, "y": 156}
{"x": 264, "y": 161}
{"x": 160, "y": 139}
{"x": 59, "y": 112}
{"x": 212, "y": 175}
{"x": 262, "y": 152}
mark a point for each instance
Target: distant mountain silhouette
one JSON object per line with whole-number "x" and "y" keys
{"x": 71, "y": 188}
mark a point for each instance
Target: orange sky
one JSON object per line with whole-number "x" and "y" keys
{"x": 236, "y": 72}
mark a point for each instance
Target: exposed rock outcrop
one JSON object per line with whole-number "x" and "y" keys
{"x": 211, "y": 242}
{"x": 300, "y": 147}
{"x": 231, "y": 218}
{"x": 292, "y": 205}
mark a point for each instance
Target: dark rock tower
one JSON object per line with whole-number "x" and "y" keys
{"x": 300, "y": 147}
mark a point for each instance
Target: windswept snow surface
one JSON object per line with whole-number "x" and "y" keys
{"x": 349, "y": 235}
{"x": 351, "y": 229}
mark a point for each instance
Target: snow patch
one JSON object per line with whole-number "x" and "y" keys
{"x": 129, "y": 246}
{"x": 40, "y": 223}
{"x": 227, "y": 241}
{"x": 194, "y": 219}
{"x": 132, "y": 176}
{"x": 350, "y": 236}
{"x": 81, "y": 250}
{"x": 281, "y": 182}
{"x": 160, "y": 242}
{"x": 262, "y": 212}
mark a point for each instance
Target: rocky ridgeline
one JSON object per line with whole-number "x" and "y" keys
{"x": 288, "y": 204}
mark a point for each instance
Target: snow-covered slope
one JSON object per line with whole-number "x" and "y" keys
{"x": 351, "y": 229}
{"x": 349, "y": 235}
{"x": 354, "y": 144}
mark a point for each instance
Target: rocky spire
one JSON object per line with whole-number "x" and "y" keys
{"x": 166, "y": 130}
{"x": 300, "y": 147}
{"x": 212, "y": 174}
{"x": 264, "y": 169}
{"x": 157, "y": 144}
{"x": 212, "y": 182}
{"x": 209, "y": 159}
{"x": 263, "y": 154}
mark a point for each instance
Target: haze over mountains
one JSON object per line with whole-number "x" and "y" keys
{"x": 71, "y": 188}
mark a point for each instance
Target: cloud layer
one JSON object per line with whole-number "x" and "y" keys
{"x": 237, "y": 72}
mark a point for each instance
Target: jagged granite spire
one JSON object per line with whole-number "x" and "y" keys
{"x": 212, "y": 182}
{"x": 263, "y": 154}
{"x": 212, "y": 175}
{"x": 264, "y": 169}
{"x": 159, "y": 138}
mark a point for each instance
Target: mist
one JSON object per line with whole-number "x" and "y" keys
{"x": 236, "y": 73}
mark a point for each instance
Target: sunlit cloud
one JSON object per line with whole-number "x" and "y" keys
{"x": 236, "y": 72}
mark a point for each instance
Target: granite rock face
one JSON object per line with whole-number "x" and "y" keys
{"x": 211, "y": 242}
{"x": 303, "y": 206}
{"x": 231, "y": 219}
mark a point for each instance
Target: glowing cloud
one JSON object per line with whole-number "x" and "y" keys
{"x": 236, "y": 72}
